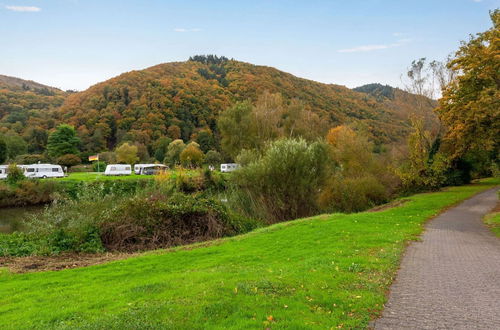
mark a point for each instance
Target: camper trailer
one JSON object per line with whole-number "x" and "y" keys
{"x": 118, "y": 169}
{"x": 228, "y": 167}
{"x": 43, "y": 171}
{"x": 139, "y": 167}
{"x": 153, "y": 169}
{"x": 3, "y": 171}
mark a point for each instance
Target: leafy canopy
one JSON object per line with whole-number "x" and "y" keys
{"x": 63, "y": 141}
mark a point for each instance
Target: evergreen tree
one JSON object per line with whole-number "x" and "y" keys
{"x": 63, "y": 141}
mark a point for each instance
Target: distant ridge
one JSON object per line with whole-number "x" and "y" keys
{"x": 18, "y": 83}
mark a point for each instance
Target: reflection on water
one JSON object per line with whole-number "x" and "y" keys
{"x": 11, "y": 218}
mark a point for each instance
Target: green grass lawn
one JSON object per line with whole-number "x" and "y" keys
{"x": 322, "y": 272}
{"x": 493, "y": 221}
{"x": 92, "y": 176}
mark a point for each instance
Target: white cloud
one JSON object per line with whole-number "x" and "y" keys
{"x": 31, "y": 9}
{"x": 366, "y": 48}
{"x": 186, "y": 30}
{"x": 477, "y": 0}
{"x": 369, "y": 48}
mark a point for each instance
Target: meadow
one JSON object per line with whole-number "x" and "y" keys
{"x": 330, "y": 270}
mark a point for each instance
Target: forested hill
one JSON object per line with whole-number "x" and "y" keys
{"x": 26, "y": 113}
{"x": 181, "y": 99}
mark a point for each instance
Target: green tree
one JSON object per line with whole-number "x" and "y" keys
{"x": 36, "y": 137}
{"x": 471, "y": 102}
{"x": 63, "y": 141}
{"x": 213, "y": 158}
{"x": 237, "y": 128}
{"x": 15, "y": 145}
{"x": 127, "y": 154}
{"x": 174, "y": 152}
{"x": 3, "y": 150}
{"x": 191, "y": 156}
{"x": 206, "y": 140}
{"x": 160, "y": 148}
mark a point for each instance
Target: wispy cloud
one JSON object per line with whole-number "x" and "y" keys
{"x": 31, "y": 9}
{"x": 477, "y": 0}
{"x": 369, "y": 48}
{"x": 187, "y": 30}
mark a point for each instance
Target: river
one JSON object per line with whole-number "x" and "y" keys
{"x": 11, "y": 218}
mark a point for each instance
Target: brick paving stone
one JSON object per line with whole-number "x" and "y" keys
{"x": 450, "y": 279}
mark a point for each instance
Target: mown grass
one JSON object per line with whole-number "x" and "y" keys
{"x": 95, "y": 176}
{"x": 492, "y": 220}
{"x": 326, "y": 271}
{"x": 92, "y": 176}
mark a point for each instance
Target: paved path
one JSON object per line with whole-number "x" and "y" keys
{"x": 450, "y": 280}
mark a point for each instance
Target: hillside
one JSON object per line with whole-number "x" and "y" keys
{"x": 14, "y": 83}
{"x": 403, "y": 104}
{"x": 181, "y": 99}
{"x": 26, "y": 109}
{"x": 186, "y": 97}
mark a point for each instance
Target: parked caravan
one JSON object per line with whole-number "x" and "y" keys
{"x": 43, "y": 171}
{"x": 118, "y": 169}
{"x": 153, "y": 169}
{"x": 3, "y": 171}
{"x": 228, "y": 167}
{"x": 138, "y": 167}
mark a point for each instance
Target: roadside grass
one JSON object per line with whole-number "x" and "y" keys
{"x": 326, "y": 271}
{"x": 492, "y": 220}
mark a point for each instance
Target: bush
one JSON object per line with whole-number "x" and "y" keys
{"x": 285, "y": 181}
{"x": 69, "y": 160}
{"x": 99, "y": 166}
{"x": 152, "y": 218}
{"x": 146, "y": 223}
{"x": 14, "y": 174}
{"x": 353, "y": 194}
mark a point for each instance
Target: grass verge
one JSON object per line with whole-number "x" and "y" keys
{"x": 492, "y": 220}
{"x": 326, "y": 271}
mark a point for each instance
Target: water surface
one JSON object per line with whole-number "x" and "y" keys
{"x": 11, "y": 218}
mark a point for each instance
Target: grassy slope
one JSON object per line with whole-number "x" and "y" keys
{"x": 493, "y": 221}
{"x": 321, "y": 272}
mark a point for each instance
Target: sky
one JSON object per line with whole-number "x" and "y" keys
{"x": 73, "y": 44}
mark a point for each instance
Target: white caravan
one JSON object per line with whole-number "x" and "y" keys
{"x": 152, "y": 169}
{"x": 228, "y": 167}
{"x": 3, "y": 171}
{"x": 118, "y": 169}
{"x": 43, "y": 171}
{"x": 139, "y": 167}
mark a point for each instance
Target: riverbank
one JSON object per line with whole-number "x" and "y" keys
{"x": 325, "y": 271}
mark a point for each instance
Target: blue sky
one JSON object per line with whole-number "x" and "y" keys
{"x": 73, "y": 44}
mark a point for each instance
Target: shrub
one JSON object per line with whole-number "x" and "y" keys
{"x": 152, "y": 218}
{"x": 285, "y": 181}
{"x": 159, "y": 221}
{"x": 361, "y": 179}
{"x": 69, "y": 160}
{"x": 352, "y": 194}
{"x": 14, "y": 174}
{"x": 191, "y": 156}
{"x": 99, "y": 166}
